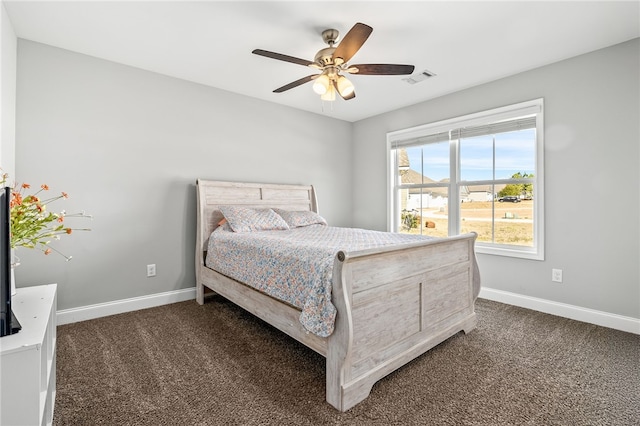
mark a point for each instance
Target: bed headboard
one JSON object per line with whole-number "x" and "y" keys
{"x": 211, "y": 194}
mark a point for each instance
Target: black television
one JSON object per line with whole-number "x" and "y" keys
{"x": 8, "y": 322}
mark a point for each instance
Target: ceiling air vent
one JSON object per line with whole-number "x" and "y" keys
{"x": 420, "y": 77}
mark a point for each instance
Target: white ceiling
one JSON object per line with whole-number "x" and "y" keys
{"x": 210, "y": 42}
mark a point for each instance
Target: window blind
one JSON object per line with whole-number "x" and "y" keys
{"x": 520, "y": 123}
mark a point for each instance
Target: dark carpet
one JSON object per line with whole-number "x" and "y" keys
{"x": 185, "y": 364}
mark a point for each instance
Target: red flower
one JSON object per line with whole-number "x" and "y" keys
{"x": 17, "y": 199}
{"x": 32, "y": 226}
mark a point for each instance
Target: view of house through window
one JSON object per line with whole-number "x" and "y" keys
{"x": 490, "y": 163}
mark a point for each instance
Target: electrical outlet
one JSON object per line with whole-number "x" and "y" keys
{"x": 151, "y": 270}
{"x": 556, "y": 275}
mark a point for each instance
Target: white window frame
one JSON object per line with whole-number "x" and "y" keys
{"x": 403, "y": 137}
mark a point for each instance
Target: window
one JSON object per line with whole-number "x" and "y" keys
{"x": 490, "y": 163}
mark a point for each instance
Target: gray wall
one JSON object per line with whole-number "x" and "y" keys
{"x": 7, "y": 93}
{"x": 592, "y": 200}
{"x": 128, "y": 145}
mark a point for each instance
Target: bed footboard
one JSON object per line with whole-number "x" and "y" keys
{"x": 394, "y": 305}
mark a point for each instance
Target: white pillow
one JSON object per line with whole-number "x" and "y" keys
{"x": 297, "y": 218}
{"x": 244, "y": 219}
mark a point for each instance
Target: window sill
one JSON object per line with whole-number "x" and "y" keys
{"x": 521, "y": 252}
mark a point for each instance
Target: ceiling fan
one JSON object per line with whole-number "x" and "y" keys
{"x": 332, "y": 61}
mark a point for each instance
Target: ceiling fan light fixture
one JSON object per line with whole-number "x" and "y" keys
{"x": 329, "y": 95}
{"x": 345, "y": 87}
{"x": 321, "y": 85}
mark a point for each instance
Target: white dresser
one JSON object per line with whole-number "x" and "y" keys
{"x": 28, "y": 360}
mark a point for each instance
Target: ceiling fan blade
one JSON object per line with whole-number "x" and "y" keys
{"x": 381, "y": 69}
{"x": 347, "y": 97}
{"x": 296, "y": 83}
{"x": 281, "y": 57}
{"x": 352, "y": 42}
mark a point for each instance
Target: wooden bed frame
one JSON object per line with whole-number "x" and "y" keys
{"x": 393, "y": 304}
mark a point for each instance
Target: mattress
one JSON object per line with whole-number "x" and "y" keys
{"x": 295, "y": 265}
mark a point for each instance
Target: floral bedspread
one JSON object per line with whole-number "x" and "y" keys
{"x": 294, "y": 265}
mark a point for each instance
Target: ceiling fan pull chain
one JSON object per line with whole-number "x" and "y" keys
{"x": 330, "y": 104}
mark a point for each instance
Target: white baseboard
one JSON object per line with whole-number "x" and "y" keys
{"x": 67, "y": 316}
{"x": 591, "y": 316}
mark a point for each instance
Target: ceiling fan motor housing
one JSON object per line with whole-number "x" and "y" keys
{"x": 324, "y": 57}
